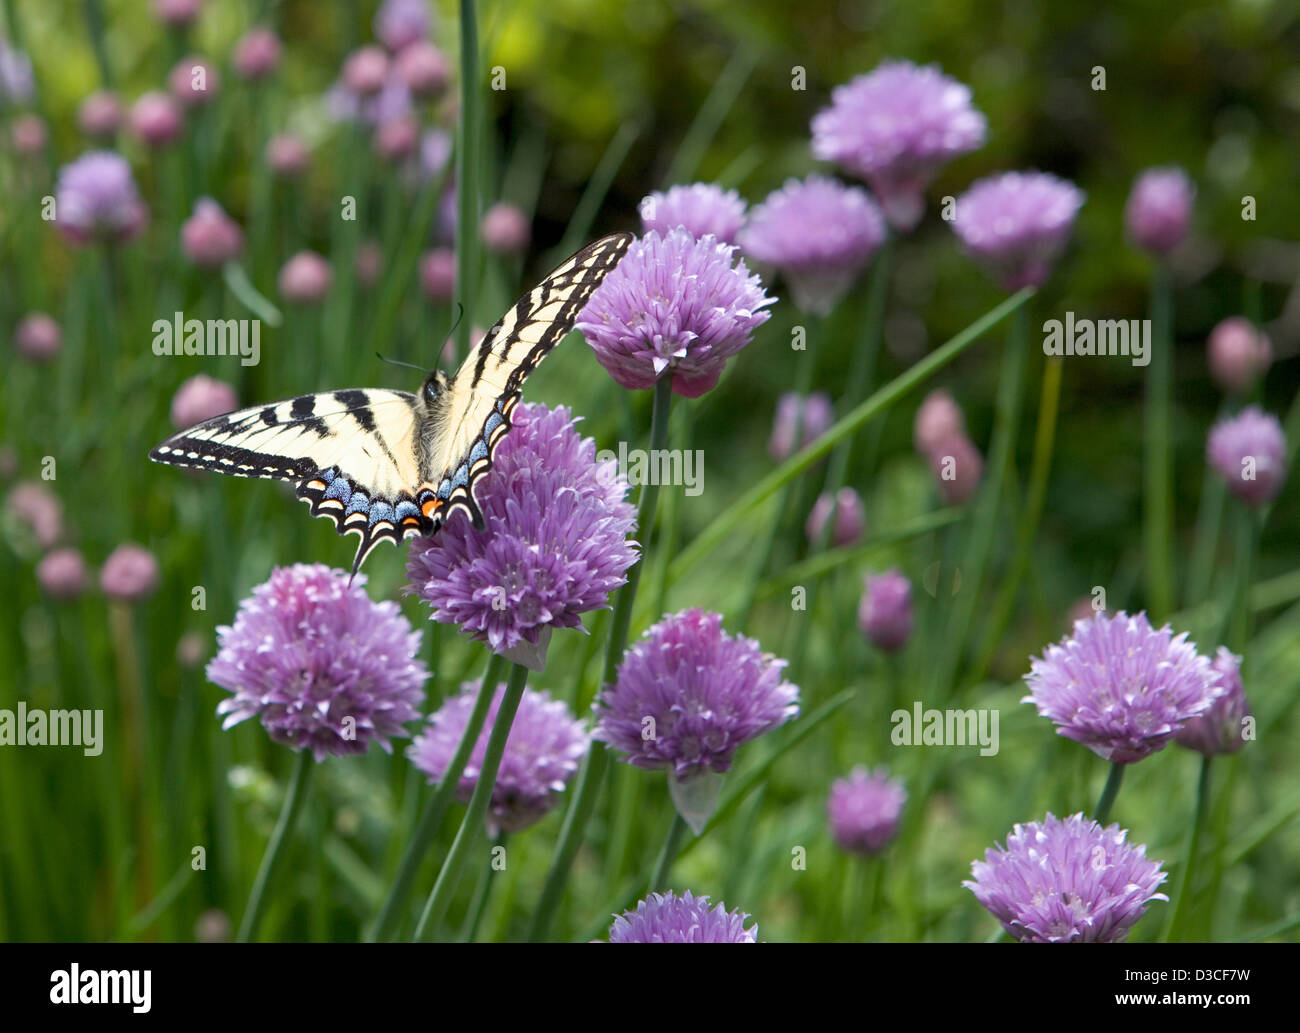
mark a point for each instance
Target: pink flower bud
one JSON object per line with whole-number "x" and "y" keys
{"x": 257, "y": 54}
{"x": 365, "y": 70}
{"x": 129, "y": 574}
{"x": 100, "y": 114}
{"x": 156, "y": 119}
{"x": 37, "y": 337}
{"x": 286, "y": 154}
{"x": 305, "y": 278}
{"x": 438, "y": 274}
{"x": 505, "y": 229}
{"x": 1238, "y": 354}
{"x": 210, "y": 237}
{"x": 201, "y": 398}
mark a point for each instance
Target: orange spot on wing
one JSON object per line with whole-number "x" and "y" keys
{"x": 431, "y": 507}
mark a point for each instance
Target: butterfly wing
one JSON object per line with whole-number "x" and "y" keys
{"x": 353, "y": 454}
{"x": 473, "y": 415}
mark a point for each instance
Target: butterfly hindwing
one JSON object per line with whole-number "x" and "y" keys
{"x": 387, "y": 464}
{"x": 351, "y": 452}
{"x": 474, "y": 416}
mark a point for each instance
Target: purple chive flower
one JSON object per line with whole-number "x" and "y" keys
{"x": 62, "y": 573}
{"x": 799, "y": 422}
{"x": 885, "y": 612}
{"x": 17, "y": 85}
{"x": 29, "y": 134}
{"x": 194, "y": 82}
{"x": 673, "y": 304}
{"x": 129, "y": 574}
{"x": 1249, "y": 451}
{"x": 668, "y": 918}
{"x": 1121, "y": 687}
{"x": 688, "y": 695}
{"x": 864, "y": 809}
{"x": 100, "y": 114}
{"x": 368, "y": 263}
{"x": 210, "y": 237}
{"x": 1066, "y": 881}
{"x": 545, "y": 746}
{"x": 958, "y": 468}
{"x": 424, "y": 68}
{"x": 156, "y": 119}
{"x": 400, "y": 23}
{"x": 397, "y": 138}
{"x": 819, "y": 234}
{"x": 201, "y": 398}
{"x": 286, "y": 154}
{"x": 938, "y": 418}
{"x": 96, "y": 197}
{"x": 504, "y": 229}
{"x": 321, "y": 666}
{"x": 438, "y": 274}
{"x": 1159, "y": 209}
{"x": 177, "y": 13}
{"x": 38, "y": 337}
{"x": 896, "y": 127}
{"x": 1222, "y": 728}
{"x": 1016, "y": 224}
{"x": 554, "y": 546}
{"x": 257, "y": 54}
{"x": 392, "y": 99}
{"x": 850, "y": 517}
{"x": 700, "y": 209}
{"x": 365, "y": 70}
{"x": 1238, "y": 353}
{"x": 305, "y": 279}
{"x": 32, "y": 505}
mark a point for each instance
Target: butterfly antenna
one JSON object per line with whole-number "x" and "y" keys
{"x": 399, "y": 362}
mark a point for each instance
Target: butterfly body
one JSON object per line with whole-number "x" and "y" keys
{"x": 385, "y": 464}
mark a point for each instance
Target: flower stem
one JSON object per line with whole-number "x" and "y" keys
{"x": 1109, "y": 792}
{"x": 667, "y": 855}
{"x": 294, "y": 798}
{"x": 1182, "y": 901}
{"x": 592, "y": 776}
{"x": 985, "y": 524}
{"x": 735, "y": 515}
{"x": 435, "y": 809}
{"x": 468, "y": 157}
{"x": 1157, "y": 505}
{"x": 471, "y": 825}
{"x": 1044, "y": 438}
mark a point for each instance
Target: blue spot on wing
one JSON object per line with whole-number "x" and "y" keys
{"x": 479, "y": 451}
{"x": 406, "y": 508}
{"x": 461, "y": 476}
{"x": 339, "y": 489}
{"x": 359, "y": 503}
{"x": 382, "y": 511}
{"x": 493, "y": 422}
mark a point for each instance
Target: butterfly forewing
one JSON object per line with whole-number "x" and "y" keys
{"x": 486, "y": 388}
{"x": 387, "y": 464}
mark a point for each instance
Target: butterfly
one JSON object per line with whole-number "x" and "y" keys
{"x": 383, "y": 464}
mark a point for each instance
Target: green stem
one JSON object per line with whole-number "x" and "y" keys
{"x": 468, "y": 157}
{"x": 471, "y": 825}
{"x": 481, "y": 896}
{"x": 592, "y": 776}
{"x": 985, "y": 524}
{"x": 710, "y": 116}
{"x": 1044, "y": 439}
{"x": 436, "y": 809}
{"x": 664, "y": 865}
{"x": 1236, "y": 634}
{"x": 1109, "y": 792}
{"x": 294, "y": 798}
{"x": 1158, "y": 528}
{"x": 739, "y": 512}
{"x": 1182, "y": 897}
